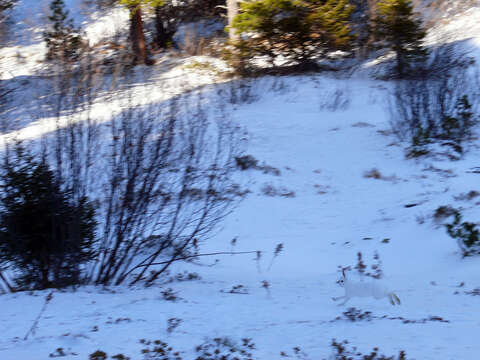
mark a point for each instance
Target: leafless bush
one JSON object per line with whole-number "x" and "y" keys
{"x": 194, "y": 44}
{"x": 172, "y": 324}
{"x": 375, "y": 270}
{"x": 446, "y": 58}
{"x": 439, "y": 104}
{"x": 240, "y": 91}
{"x": 160, "y": 174}
{"x": 165, "y": 178}
{"x": 338, "y": 100}
{"x": 372, "y": 174}
{"x": 270, "y": 190}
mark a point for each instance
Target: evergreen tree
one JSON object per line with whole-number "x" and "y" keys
{"x": 63, "y": 40}
{"x": 330, "y": 25}
{"x": 168, "y": 14}
{"x": 296, "y": 30}
{"x": 399, "y": 29}
{"x": 44, "y": 233}
{"x": 137, "y": 35}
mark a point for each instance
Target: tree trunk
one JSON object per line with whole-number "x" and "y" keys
{"x": 232, "y": 11}
{"x": 161, "y": 36}
{"x": 369, "y": 27}
{"x": 137, "y": 36}
{"x": 400, "y": 65}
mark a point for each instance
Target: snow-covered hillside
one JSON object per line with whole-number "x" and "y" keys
{"x": 337, "y": 183}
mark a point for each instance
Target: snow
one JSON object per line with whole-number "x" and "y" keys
{"x": 323, "y": 134}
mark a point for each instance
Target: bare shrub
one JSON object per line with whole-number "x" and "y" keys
{"x": 194, "y": 44}
{"x": 158, "y": 350}
{"x": 372, "y": 174}
{"x": 172, "y": 324}
{"x": 443, "y": 212}
{"x": 270, "y": 190}
{"x": 438, "y": 105}
{"x": 375, "y": 271}
{"x": 344, "y": 351}
{"x": 339, "y": 100}
{"x": 246, "y": 162}
{"x": 224, "y": 348}
{"x": 160, "y": 174}
{"x": 237, "y": 289}
{"x": 241, "y": 91}
{"x": 354, "y": 314}
{"x": 472, "y": 194}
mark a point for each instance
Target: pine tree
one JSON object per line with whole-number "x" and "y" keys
{"x": 168, "y": 14}
{"x": 63, "y": 40}
{"x": 330, "y": 25}
{"x": 137, "y": 35}
{"x": 399, "y": 29}
{"x": 44, "y": 233}
{"x": 296, "y": 30}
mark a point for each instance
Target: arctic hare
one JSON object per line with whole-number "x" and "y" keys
{"x": 365, "y": 289}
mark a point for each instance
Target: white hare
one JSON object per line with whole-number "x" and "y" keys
{"x": 365, "y": 289}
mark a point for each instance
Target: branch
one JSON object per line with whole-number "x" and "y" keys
{"x": 199, "y": 255}
{"x": 35, "y": 323}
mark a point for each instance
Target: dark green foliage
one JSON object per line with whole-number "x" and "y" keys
{"x": 45, "y": 234}
{"x": 399, "y": 29}
{"x": 467, "y": 235}
{"x": 296, "y": 30}
{"x": 63, "y": 39}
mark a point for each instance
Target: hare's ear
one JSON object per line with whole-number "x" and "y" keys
{"x": 343, "y": 273}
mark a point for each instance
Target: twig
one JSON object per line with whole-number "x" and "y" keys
{"x": 257, "y": 259}
{"x": 35, "y": 323}
{"x": 266, "y": 286}
{"x": 278, "y": 250}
